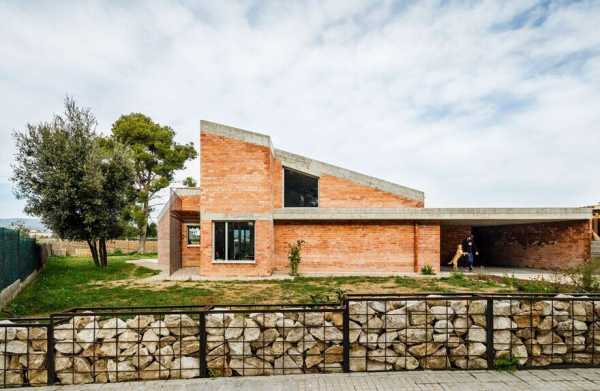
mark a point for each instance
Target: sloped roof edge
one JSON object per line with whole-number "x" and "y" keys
{"x": 318, "y": 168}
{"x": 236, "y": 133}
{"x": 308, "y": 165}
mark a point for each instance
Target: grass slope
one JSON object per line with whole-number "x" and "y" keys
{"x": 69, "y": 282}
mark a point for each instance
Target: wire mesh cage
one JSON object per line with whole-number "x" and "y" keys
{"x": 367, "y": 332}
{"x": 23, "y": 352}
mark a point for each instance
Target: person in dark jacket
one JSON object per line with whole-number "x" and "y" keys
{"x": 470, "y": 249}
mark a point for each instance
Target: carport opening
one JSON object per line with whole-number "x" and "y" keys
{"x": 540, "y": 245}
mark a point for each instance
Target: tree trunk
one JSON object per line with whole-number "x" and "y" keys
{"x": 144, "y": 229}
{"x": 94, "y": 251}
{"x": 103, "y": 255}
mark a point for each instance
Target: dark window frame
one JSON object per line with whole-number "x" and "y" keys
{"x": 188, "y": 226}
{"x": 297, "y": 172}
{"x": 228, "y": 229}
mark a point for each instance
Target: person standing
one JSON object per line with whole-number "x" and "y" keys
{"x": 470, "y": 249}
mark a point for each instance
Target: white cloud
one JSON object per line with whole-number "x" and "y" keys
{"x": 477, "y": 104}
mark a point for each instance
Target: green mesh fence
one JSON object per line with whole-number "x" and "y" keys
{"x": 19, "y": 256}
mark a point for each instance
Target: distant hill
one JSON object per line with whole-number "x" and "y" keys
{"x": 27, "y": 222}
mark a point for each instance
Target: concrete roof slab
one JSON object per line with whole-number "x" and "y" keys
{"x": 466, "y": 216}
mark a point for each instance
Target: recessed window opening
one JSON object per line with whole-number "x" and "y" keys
{"x": 193, "y": 235}
{"x": 300, "y": 190}
{"x": 233, "y": 241}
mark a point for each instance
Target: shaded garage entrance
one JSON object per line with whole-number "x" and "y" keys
{"x": 534, "y": 244}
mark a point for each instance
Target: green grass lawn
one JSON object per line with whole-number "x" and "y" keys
{"x": 69, "y": 282}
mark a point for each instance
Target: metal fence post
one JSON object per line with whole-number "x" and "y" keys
{"x": 50, "y": 351}
{"x": 489, "y": 332}
{"x": 203, "y": 347}
{"x": 346, "y": 336}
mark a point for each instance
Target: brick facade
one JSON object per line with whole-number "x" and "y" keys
{"x": 347, "y": 246}
{"x": 241, "y": 179}
{"x": 427, "y": 246}
{"x": 190, "y": 253}
{"x": 164, "y": 239}
{"x": 237, "y": 183}
{"x": 544, "y": 245}
{"x": 343, "y": 193}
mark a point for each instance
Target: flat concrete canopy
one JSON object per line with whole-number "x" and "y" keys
{"x": 456, "y": 216}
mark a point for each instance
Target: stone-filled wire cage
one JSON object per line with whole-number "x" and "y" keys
{"x": 362, "y": 333}
{"x": 23, "y": 352}
{"x": 397, "y": 332}
{"x": 547, "y": 330}
{"x": 454, "y": 331}
{"x": 274, "y": 340}
{"x": 125, "y": 344}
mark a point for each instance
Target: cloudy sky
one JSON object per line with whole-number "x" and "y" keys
{"x": 477, "y": 104}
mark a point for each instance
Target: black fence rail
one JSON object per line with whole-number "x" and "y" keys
{"x": 368, "y": 332}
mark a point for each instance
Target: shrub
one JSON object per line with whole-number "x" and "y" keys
{"x": 427, "y": 270}
{"x": 506, "y": 364}
{"x": 583, "y": 277}
{"x": 295, "y": 256}
{"x": 117, "y": 252}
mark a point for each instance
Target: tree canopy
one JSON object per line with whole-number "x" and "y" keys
{"x": 72, "y": 180}
{"x": 156, "y": 156}
{"x": 189, "y": 182}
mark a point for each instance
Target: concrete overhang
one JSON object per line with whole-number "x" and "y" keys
{"x": 449, "y": 216}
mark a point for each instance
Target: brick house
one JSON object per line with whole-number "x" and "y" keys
{"x": 253, "y": 200}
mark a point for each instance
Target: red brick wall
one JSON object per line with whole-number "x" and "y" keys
{"x": 349, "y": 246}
{"x": 164, "y": 239}
{"x": 427, "y": 246}
{"x": 342, "y": 193}
{"x": 450, "y": 237}
{"x": 236, "y": 177}
{"x": 544, "y": 245}
{"x": 277, "y": 184}
{"x": 190, "y": 255}
{"x": 190, "y": 202}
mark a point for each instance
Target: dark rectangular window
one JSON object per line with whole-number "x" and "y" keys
{"x": 193, "y": 235}
{"x": 234, "y": 240}
{"x": 219, "y": 240}
{"x": 300, "y": 190}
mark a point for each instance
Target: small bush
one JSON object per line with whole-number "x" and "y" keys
{"x": 583, "y": 276}
{"x": 427, "y": 270}
{"x": 295, "y": 256}
{"x": 117, "y": 252}
{"x": 506, "y": 364}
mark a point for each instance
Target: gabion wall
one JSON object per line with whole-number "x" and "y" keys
{"x": 366, "y": 333}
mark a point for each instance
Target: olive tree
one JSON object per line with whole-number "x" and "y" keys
{"x": 70, "y": 178}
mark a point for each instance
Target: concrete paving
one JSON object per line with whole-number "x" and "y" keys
{"x": 543, "y": 380}
{"x": 193, "y": 274}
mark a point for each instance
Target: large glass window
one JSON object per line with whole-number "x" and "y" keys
{"x": 300, "y": 190}
{"x": 193, "y": 235}
{"x": 234, "y": 240}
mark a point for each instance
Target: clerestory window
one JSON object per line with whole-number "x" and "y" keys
{"x": 300, "y": 190}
